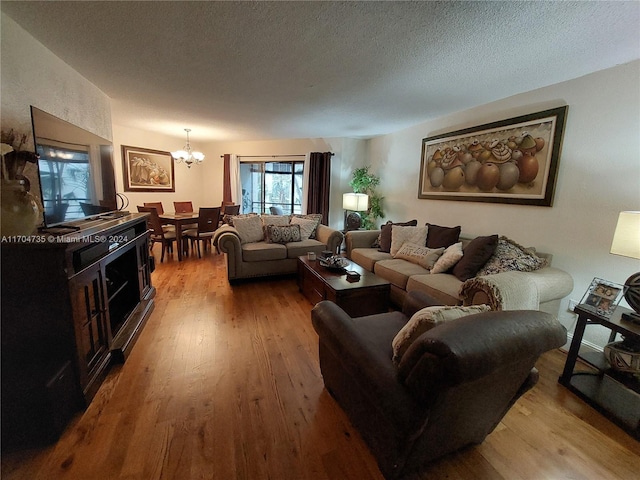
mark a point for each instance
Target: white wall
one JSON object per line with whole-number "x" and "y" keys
{"x": 599, "y": 176}
{"x": 33, "y": 75}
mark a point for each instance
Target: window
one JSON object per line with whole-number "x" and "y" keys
{"x": 272, "y": 184}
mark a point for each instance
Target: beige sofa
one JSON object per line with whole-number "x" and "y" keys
{"x": 512, "y": 290}
{"x": 263, "y": 258}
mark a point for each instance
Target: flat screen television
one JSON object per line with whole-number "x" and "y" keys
{"x": 77, "y": 178}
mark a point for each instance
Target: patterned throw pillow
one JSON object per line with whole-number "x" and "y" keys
{"x": 311, "y": 216}
{"x": 275, "y": 220}
{"x": 228, "y": 219}
{"x": 384, "y": 239}
{"x": 249, "y": 228}
{"x": 423, "y": 256}
{"x": 510, "y": 256}
{"x": 307, "y": 226}
{"x": 283, "y": 233}
{"x": 400, "y": 235}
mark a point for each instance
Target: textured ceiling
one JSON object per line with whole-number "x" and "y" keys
{"x": 259, "y": 70}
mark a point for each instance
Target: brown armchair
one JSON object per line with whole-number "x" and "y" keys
{"x": 452, "y": 387}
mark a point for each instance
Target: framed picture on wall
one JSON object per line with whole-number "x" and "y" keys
{"x": 509, "y": 161}
{"x": 147, "y": 170}
{"x": 602, "y": 297}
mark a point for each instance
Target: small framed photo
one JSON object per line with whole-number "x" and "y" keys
{"x": 602, "y": 297}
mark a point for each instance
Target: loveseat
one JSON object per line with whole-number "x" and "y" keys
{"x": 495, "y": 277}
{"x": 451, "y": 387}
{"x": 265, "y": 245}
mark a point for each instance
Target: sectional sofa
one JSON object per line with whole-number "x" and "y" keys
{"x": 502, "y": 283}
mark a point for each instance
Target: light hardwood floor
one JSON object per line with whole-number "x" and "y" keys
{"x": 224, "y": 383}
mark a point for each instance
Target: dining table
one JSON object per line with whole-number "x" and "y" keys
{"x": 179, "y": 220}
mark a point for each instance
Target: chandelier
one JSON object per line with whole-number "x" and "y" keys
{"x": 187, "y": 156}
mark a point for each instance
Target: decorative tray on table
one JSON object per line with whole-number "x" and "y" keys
{"x": 335, "y": 263}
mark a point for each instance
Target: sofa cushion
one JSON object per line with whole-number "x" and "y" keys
{"x": 397, "y": 271}
{"x": 442, "y": 286}
{"x": 249, "y": 228}
{"x": 261, "y": 251}
{"x": 401, "y": 234}
{"x": 438, "y": 236}
{"x": 424, "y": 320}
{"x": 297, "y": 249}
{"x": 420, "y": 255}
{"x": 367, "y": 257}
{"x": 317, "y": 217}
{"x": 283, "y": 233}
{"x": 475, "y": 255}
{"x": 449, "y": 258}
{"x": 307, "y": 226}
{"x": 511, "y": 256}
{"x": 385, "y": 233}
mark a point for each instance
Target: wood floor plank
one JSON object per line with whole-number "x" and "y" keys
{"x": 224, "y": 383}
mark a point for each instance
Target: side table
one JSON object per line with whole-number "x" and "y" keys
{"x": 614, "y": 394}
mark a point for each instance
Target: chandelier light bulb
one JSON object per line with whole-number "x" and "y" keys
{"x": 187, "y": 156}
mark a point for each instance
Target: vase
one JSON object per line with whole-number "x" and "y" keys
{"x": 20, "y": 211}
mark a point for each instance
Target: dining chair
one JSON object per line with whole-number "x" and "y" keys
{"x": 183, "y": 207}
{"x": 208, "y": 219}
{"x": 158, "y": 234}
{"x": 157, "y": 205}
{"x": 276, "y": 210}
{"x": 231, "y": 210}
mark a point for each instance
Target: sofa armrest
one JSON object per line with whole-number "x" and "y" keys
{"x": 228, "y": 241}
{"x": 330, "y": 237}
{"x": 475, "y": 346}
{"x": 360, "y": 239}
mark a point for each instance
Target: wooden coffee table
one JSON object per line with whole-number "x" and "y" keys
{"x": 366, "y": 296}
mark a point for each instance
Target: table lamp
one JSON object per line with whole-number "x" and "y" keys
{"x": 352, "y": 203}
{"x": 626, "y": 242}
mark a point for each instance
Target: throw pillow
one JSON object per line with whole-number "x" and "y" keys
{"x": 400, "y": 235}
{"x": 477, "y": 252}
{"x": 228, "y": 219}
{"x": 283, "y": 233}
{"x": 307, "y": 226}
{"x": 511, "y": 256}
{"x": 310, "y": 216}
{"x": 249, "y": 228}
{"x": 449, "y": 258}
{"x": 275, "y": 219}
{"x": 385, "y": 234}
{"x": 424, "y": 320}
{"x": 416, "y": 253}
{"x": 438, "y": 236}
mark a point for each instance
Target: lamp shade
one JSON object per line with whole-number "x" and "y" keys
{"x": 626, "y": 238}
{"x": 356, "y": 202}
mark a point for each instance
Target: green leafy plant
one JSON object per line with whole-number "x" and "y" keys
{"x": 363, "y": 181}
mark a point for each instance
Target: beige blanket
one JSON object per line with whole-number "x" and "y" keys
{"x": 506, "y": 291}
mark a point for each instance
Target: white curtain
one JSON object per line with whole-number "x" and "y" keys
{"x": 236, "y": 186}
{"x": 305, "y": 183}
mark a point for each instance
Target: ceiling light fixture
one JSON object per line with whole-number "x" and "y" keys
{"x": 187, "y": 156}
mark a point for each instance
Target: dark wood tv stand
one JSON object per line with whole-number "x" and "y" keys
{"x": 72, "y": 305}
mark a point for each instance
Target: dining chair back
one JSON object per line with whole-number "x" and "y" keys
{"x": 208, "y": 219}
{"x": 183, "y": 207}
{"x": 158, "y": 234}
{"x": 157, "y": 205}
{"x": 231, "y": 210}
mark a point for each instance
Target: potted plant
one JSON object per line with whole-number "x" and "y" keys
{"x": 364, "y": 181}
